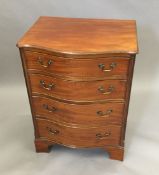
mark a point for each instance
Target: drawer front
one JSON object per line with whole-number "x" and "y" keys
{"x": 78, "y": 91}
{"x": 79, "y": 137}
{"x": 100, "y": 68}
{"x": 86, "y": 114}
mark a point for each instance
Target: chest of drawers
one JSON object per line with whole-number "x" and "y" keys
{"x": 78, "y": 74}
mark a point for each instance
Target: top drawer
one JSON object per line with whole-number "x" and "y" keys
{"x": 75, "y": 67}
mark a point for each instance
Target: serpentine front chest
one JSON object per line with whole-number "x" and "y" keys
{"x": 78, "y": 74}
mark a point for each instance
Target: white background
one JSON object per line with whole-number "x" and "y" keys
{"x": 17, "y": 155}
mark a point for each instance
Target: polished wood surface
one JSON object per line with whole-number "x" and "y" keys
{"x": 79, "y": 82}
{"x": 115, "y": 152}
{"x": 87, "y": 68}
{"x": 88, "y": 114}
{"x": 78, "y": 91}
{"x": 82, "y": 36}
{"x": 79, "y": 137}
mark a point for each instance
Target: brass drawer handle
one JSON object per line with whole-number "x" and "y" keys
{"x": 49, "y": 109}
{"x": 52, "y": 131}
{"x": 103, "y": 91}
{"x": 48, "y": 87}
{"x": 103, "y": 114}
{"x": 102, "y": 67}
{"x": 103, "y": 136}
{"x": 41, "y": 62}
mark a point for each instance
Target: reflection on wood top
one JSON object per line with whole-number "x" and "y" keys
{"x": 82, "y": 36}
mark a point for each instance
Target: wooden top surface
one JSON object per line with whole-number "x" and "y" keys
{"x": 82, "y": 36}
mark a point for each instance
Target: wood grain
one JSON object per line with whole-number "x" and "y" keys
{"x": 87, "y": 68}
{"x": 78, "y": 137}
{"x": 70, "y": 51}
{"x": 78, "y": 91}
{"x": 43, "y": 145}
{"x": 80, "y": 114}
{"x": 82, "y": 36}
{"x": 115, "y": 152}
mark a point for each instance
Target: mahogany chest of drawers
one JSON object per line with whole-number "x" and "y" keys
{"x": 78, "y": 74}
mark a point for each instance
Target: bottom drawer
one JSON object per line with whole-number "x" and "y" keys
{"x": 79, "y": 136}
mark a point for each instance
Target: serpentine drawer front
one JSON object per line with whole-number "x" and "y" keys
{"x": 94, "y": 113}
{"x": 78, "y": 74}
{"x": 88, "y": 67}
{"x": 78, "y": 90}
{"x": 81, "y": 137}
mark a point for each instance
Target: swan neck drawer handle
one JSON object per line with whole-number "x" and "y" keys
{"x": 41, "y": 62}
{"x": 102, "y": 67}
{"x": 48, "y": 87}
{"x": 104, "y": 114}
{"x": 106, "y": 92}
{"x": 52, "y": 131}
{"x": 49, "y": 109}
{"x": 103, "y": 136}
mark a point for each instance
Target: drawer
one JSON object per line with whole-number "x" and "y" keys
{"x": 85, "y": 114}
{"x": 78, "y": 90}
{"x": 79, "y": 137}
{"x": 73, "y": 67}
